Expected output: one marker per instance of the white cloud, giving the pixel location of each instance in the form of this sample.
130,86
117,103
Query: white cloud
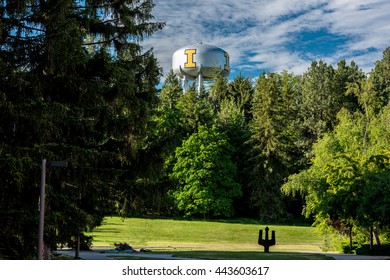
262,35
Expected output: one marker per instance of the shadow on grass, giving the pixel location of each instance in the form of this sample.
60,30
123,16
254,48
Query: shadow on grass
105,230
248,221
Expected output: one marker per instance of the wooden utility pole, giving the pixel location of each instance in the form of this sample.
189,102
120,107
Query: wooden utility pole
41,210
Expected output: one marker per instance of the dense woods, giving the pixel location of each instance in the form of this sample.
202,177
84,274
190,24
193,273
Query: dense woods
76,85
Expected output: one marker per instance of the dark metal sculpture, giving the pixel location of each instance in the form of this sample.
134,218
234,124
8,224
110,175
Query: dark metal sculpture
266,242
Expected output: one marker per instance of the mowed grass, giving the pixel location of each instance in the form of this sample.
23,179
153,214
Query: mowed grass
202,236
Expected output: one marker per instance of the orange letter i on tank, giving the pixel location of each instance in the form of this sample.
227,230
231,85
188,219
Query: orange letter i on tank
190,58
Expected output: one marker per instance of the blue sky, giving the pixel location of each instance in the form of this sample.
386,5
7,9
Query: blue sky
275,35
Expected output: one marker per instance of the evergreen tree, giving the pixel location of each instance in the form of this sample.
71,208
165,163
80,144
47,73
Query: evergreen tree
241,91
75,86
195,110
231,121
218,91
344,76
381,77
272,143
324,93
165,132
319,103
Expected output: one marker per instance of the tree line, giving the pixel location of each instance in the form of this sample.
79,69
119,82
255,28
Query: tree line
315,144
76,86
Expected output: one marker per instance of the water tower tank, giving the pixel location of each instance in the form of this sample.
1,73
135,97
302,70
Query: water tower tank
200,61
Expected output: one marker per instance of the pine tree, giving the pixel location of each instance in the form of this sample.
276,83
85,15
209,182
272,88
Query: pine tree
218,91
319,102
324,93
241,91
272,143
75,86
380,76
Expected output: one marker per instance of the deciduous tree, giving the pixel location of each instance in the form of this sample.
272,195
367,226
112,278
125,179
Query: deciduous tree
206,175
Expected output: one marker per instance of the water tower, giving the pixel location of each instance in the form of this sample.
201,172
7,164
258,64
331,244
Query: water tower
199,62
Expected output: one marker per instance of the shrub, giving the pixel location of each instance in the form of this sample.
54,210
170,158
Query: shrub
377,250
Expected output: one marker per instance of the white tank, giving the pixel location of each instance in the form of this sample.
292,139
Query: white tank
192,60
198,62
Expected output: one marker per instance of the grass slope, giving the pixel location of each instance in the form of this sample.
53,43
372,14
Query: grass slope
200,236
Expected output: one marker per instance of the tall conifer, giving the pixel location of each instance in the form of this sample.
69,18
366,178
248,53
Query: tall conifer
76,86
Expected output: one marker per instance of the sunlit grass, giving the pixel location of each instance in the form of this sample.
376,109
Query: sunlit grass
179,235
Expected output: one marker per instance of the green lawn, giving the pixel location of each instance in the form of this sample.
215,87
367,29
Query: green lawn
204,238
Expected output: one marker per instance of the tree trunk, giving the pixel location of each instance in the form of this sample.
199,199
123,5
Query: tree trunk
350,239
46,252
77,255
371,240
376,235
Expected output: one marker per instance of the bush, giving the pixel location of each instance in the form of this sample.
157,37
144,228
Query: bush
85,243
345,247
377,250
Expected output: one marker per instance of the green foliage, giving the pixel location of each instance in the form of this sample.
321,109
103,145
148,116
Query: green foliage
319,104
375,201
377,250
206,175
76,86
219,91
231,120
196,110
241,91
165,128
323,95
344,75
347,183
272,142
62,99
380,76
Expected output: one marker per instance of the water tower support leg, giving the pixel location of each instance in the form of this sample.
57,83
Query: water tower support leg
184,84
200,82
